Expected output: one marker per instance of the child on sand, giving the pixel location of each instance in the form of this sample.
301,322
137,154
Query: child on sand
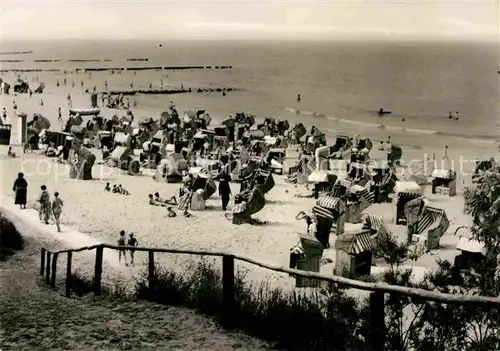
107,187
121,252
171,213
57,205
132,241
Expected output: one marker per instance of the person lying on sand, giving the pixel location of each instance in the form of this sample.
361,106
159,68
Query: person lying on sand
154,202
172,201
107,187
122,190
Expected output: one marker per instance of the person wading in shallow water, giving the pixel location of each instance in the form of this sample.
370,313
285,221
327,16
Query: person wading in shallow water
57,206
21,190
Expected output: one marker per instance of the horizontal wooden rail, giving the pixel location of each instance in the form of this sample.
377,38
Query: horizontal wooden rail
355,284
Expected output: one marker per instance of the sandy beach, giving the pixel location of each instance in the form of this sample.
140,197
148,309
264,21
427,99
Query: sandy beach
101,215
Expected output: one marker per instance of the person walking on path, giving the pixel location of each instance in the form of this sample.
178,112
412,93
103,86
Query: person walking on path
122,243
224,191
44,200
57,206
132,241
21,190
4,116
60,115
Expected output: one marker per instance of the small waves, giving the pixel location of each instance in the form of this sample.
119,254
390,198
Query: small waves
477,139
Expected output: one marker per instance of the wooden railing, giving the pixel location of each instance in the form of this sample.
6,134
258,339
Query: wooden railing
48,267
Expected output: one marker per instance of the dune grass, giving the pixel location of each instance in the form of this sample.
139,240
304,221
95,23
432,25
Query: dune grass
323,320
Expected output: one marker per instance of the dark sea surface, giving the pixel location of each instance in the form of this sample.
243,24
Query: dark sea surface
342,84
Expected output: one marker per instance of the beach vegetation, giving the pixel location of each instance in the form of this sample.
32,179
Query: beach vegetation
331,318
10,238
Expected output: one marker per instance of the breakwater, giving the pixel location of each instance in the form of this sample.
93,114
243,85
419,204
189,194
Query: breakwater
97,69
168,91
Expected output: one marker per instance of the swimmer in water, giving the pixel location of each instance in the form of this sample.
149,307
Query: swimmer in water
450,115
456,116
298,98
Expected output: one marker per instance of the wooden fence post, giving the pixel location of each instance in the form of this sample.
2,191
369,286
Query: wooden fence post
54,270
47,268
68,274
377,321
228,290
42,262
98,270
151,269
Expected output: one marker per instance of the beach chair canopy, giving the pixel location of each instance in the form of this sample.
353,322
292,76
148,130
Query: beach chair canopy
190,115
364,143
407,187
270,140
199,135
121,138
443,174
331,203
354,243
158,137
321,176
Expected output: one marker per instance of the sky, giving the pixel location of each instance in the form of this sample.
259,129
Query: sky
255,20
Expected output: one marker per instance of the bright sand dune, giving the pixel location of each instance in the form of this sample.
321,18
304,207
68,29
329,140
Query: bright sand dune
102,215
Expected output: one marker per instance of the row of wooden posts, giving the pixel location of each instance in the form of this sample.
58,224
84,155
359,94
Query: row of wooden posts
48,267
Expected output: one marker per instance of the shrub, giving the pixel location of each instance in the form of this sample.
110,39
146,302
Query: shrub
10,238
326,320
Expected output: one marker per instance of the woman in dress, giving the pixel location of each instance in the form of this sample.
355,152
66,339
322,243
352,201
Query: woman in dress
21,189
57,206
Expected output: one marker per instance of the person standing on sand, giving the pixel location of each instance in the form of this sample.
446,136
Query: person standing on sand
4,116
21,189
224,190
57,206
132,242
70,102
44,200
15,109
121,252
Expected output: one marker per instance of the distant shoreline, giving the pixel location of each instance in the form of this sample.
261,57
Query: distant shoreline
95,69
